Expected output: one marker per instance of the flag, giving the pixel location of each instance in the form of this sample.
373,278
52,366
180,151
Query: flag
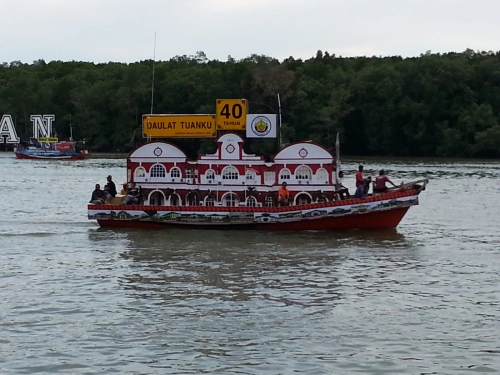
261,126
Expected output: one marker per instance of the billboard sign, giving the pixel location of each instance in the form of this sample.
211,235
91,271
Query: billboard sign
231,114
178,126
261,126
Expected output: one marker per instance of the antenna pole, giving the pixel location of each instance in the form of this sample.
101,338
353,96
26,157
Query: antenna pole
153,80
279,122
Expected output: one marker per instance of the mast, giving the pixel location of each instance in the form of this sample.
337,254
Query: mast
153,80
337,159
279,122
70,129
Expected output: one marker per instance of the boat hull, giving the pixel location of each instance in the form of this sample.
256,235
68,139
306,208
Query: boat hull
380,212
61,156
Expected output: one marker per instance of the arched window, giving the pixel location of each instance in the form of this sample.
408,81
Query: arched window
230,173
175,200
303,173
322,174
303,198
231,200
210,201
251,202
269,201
175,172
192,199
140,172
210,174
251,175
157,198
158,170
285,174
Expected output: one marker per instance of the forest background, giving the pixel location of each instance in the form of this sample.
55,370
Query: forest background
444,105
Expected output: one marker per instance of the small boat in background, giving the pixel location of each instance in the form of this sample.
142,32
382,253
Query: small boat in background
50,149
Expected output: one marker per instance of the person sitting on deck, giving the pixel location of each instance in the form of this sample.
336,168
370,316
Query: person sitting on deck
133,195
124,189
340,189
98,195
361,190
380,181
283,195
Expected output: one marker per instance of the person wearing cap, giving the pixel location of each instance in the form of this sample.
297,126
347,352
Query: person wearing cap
380,181
124,189
110,188
133,195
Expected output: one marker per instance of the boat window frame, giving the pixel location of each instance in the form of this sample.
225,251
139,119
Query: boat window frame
153,173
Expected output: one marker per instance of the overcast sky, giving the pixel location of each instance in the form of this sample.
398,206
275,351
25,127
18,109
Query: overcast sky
124,30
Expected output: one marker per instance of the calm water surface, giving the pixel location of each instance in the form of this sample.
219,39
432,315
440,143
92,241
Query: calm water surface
76,299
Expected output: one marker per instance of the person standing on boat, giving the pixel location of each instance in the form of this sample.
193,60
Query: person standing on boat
283,195
360,180
380,181
110,188
98,195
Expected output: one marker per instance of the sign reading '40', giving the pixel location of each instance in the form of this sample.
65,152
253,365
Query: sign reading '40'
231,114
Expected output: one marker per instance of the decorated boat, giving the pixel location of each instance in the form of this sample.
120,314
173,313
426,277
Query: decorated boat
231,189
44,146
50,149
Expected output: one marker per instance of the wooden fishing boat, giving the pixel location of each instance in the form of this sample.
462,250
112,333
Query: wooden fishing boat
234,190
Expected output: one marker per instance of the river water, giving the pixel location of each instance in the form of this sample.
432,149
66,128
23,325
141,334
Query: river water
77,299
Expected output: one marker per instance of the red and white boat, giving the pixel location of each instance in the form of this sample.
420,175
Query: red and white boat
234,190
57,150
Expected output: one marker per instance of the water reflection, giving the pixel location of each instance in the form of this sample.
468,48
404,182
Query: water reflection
302,269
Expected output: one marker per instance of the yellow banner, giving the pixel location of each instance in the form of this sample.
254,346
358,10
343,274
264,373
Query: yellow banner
180,126
45,139
231,114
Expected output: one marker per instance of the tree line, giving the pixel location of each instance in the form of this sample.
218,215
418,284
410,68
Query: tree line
445,105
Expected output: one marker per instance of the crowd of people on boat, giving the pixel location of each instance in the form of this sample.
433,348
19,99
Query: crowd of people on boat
363,184
131,195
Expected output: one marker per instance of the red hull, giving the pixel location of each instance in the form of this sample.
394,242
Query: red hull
72,157
371,220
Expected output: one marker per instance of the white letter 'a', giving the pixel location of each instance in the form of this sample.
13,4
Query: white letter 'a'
7,129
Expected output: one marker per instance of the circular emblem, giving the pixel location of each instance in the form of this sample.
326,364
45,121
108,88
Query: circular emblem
303,152
230,149
261,126
157,151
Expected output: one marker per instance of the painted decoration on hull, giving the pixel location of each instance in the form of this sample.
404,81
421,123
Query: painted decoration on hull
233,215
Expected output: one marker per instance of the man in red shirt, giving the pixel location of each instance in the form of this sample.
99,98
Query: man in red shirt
360,180
380,181
359,176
